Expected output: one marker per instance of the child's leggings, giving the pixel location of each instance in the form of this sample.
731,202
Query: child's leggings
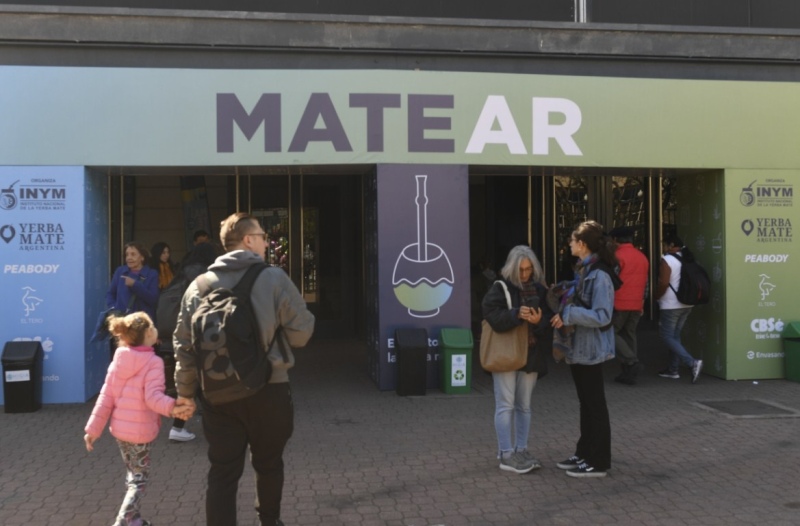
137,462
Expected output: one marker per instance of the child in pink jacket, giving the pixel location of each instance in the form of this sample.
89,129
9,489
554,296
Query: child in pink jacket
133,397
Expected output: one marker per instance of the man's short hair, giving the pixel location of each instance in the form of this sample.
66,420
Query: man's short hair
233,229
200,233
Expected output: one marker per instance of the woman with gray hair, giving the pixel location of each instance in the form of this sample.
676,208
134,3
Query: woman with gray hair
522,276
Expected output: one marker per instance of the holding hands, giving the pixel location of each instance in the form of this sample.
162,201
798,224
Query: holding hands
184,408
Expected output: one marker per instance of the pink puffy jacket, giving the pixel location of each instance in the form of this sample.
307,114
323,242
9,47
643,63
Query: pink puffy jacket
133,396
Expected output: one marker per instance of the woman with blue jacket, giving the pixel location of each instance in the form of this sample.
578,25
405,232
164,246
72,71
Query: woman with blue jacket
592,343
134,286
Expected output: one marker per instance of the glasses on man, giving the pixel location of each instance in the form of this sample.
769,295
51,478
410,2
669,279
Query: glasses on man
263,235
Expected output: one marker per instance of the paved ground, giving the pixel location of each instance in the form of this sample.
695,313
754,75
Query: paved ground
364,457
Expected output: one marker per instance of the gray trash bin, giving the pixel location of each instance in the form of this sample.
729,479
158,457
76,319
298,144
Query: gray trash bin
22,376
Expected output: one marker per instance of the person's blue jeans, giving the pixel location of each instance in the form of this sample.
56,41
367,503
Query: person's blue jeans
670,325
512,402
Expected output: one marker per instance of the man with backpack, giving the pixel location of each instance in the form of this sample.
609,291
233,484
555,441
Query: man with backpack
237,308
674,313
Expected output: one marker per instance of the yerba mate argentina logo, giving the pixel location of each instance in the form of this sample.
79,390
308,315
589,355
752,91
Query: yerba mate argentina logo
768,229
40,194
34,237
770,193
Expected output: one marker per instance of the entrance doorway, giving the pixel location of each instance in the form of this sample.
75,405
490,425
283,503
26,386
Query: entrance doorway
543,206
313,222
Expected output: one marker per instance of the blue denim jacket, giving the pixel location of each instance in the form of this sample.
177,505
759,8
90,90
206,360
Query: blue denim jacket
591,345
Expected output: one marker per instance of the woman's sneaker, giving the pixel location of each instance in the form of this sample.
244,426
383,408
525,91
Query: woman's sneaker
666,373
530,458
516,463
570,463
585,470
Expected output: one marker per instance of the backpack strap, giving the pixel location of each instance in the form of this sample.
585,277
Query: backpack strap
245,286
244,289
679,258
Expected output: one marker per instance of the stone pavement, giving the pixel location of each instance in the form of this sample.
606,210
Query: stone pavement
368,458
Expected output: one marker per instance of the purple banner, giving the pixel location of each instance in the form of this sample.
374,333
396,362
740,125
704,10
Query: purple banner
423,258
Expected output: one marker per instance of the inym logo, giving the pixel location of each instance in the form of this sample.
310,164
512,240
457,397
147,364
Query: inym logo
8,201
40,195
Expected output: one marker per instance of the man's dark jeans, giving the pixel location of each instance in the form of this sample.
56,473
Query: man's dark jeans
265,421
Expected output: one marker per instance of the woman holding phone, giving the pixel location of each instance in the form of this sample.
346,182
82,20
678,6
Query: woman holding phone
523,277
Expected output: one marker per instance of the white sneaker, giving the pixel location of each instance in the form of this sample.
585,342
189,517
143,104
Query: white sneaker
180,435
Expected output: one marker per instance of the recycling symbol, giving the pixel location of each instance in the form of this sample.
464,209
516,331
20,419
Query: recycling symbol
459,374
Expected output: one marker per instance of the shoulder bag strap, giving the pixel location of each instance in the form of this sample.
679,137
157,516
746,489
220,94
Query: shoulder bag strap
505,290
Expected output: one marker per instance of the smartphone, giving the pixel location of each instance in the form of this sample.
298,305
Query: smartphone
532,302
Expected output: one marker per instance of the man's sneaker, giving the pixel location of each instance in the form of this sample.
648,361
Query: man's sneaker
516,463
585,470
180,435
571,462
530,458
696,368
666,373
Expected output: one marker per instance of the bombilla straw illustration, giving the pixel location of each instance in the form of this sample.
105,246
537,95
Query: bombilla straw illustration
422,218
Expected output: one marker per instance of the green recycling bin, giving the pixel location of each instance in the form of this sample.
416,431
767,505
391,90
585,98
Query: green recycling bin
456,360
791,350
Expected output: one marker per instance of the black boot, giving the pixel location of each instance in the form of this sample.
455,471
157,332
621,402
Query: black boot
625,377
634,369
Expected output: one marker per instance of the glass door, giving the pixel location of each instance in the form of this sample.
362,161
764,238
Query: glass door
313,224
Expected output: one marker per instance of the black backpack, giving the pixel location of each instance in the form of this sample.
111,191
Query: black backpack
695,287
231,359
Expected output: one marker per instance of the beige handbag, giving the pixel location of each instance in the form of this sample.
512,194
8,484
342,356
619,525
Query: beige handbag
502,352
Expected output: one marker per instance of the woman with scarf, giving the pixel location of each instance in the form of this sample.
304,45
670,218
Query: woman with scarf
591,343
523,277
161,260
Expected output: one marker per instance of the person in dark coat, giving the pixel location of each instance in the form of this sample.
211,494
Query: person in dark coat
523,277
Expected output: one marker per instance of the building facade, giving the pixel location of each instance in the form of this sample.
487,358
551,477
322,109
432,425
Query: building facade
393,155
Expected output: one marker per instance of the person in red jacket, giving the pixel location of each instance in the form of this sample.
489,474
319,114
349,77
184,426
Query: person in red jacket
628,302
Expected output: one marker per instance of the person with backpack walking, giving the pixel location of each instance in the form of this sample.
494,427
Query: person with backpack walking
673,313
196,262
241,409
133,398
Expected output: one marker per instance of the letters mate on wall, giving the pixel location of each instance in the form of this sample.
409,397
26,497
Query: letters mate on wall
423,277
